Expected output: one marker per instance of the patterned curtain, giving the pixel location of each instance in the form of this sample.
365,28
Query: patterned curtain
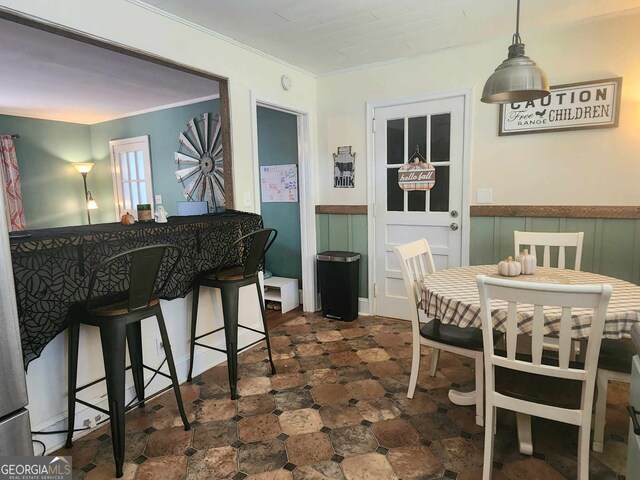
11,184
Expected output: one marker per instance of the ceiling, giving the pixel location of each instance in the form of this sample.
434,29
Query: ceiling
323,36
56,78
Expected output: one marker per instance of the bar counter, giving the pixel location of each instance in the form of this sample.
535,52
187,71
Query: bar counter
52,266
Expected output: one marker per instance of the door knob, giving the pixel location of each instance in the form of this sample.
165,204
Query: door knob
454,213
453,226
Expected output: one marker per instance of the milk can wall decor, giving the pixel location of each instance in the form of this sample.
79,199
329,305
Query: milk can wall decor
343,168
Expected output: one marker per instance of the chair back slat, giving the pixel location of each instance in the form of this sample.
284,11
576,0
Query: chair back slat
512,330
135,276
537,334
560,240
561,256
565,344
252,247
546,262
145,265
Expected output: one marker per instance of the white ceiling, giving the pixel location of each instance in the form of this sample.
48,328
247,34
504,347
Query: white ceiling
323,36
52,77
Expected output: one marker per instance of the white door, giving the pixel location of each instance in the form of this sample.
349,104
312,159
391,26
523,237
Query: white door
131,172
436,128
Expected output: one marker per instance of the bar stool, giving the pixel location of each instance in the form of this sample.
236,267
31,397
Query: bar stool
133,274
229,281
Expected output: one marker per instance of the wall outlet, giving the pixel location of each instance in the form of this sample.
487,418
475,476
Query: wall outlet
159,346
158,199
484,195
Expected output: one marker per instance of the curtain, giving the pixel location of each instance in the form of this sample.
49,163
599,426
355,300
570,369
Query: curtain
11,184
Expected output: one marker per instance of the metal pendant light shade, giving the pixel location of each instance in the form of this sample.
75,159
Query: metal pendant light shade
518,78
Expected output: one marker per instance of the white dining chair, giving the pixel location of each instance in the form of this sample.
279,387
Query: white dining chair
416,263
614,365
562,240
556,389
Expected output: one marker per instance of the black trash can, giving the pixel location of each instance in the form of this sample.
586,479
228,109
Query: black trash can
338,276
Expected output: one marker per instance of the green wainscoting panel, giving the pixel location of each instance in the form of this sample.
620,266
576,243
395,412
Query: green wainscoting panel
611,246
345,232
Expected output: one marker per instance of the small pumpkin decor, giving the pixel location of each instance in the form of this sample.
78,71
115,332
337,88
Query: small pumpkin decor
527,261
127,219
509,268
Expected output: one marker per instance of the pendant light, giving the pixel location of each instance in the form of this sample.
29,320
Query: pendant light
518,78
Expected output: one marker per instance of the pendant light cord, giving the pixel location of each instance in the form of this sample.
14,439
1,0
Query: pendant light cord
516,36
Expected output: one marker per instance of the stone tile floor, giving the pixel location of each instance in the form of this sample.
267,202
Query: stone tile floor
337,409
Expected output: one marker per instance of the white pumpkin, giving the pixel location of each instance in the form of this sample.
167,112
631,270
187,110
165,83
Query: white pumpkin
528,262
509,268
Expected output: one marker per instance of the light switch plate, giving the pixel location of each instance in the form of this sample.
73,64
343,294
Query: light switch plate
484,195
158,199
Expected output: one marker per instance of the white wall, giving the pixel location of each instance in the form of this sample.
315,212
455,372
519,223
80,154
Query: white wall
128,24
592,167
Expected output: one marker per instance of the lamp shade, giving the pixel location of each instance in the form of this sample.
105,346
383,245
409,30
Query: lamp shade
91,203
83,167
517,79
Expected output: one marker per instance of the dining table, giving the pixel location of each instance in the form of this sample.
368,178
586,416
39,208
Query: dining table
452,296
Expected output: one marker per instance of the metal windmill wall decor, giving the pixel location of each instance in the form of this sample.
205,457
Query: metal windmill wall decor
200,161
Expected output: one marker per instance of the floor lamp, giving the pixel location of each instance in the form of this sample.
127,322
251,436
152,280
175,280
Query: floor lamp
91,204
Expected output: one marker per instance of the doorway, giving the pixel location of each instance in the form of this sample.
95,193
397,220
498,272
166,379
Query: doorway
436,129
281,140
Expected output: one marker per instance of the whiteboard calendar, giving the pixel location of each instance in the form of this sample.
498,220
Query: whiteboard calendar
279,183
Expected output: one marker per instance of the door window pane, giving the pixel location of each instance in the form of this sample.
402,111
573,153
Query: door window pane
439,196
124,169
132,166
135,200
417,136
140,165
395,141
395,195
142,191
440,137
417,200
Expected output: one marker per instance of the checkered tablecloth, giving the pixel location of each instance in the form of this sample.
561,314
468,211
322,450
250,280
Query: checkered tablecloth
452,296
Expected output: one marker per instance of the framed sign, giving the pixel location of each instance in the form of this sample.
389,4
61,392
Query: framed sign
575,106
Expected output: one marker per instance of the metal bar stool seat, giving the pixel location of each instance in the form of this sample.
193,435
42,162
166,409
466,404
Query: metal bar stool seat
118,316
229,280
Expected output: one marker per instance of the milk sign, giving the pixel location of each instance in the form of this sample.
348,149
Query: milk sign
416,176
594,104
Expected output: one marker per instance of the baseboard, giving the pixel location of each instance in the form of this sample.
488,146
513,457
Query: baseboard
364,307
204,359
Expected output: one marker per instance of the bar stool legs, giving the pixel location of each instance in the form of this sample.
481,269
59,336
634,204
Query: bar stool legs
113,339
264,324
229,292
134,340
195,297
172,367
74,339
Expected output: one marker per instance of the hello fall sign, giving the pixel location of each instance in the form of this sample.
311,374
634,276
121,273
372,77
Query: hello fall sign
594,104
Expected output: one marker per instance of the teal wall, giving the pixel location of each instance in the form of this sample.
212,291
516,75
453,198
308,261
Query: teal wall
611,246
278,145
52,190
345,232
163,128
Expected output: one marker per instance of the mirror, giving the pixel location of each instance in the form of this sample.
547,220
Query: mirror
71,101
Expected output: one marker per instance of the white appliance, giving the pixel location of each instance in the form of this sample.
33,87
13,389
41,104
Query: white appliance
15,427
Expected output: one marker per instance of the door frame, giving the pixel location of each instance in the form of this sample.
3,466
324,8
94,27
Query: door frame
308,246
465,216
